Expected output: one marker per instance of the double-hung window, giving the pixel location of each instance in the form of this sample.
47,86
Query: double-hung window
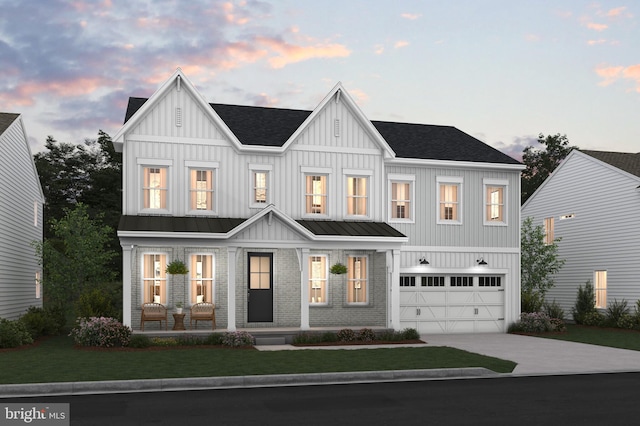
449,199
202,269
357,280
316,194
154,278
600,288
154,188
401,196
318,279
548,231
495,195
260,175
201,189
357,195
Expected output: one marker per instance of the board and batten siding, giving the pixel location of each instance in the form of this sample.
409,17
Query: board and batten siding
20,223
604,234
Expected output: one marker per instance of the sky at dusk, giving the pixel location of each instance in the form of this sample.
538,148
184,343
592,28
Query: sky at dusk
502,71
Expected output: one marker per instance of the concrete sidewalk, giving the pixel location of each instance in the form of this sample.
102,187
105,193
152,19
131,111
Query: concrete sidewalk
537,356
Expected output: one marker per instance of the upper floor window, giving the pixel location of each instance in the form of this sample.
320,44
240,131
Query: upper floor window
154,188
201,189
548,231
357,281
201,278
154,278
357,196
494,198
449,196
260,187
318,279
316,194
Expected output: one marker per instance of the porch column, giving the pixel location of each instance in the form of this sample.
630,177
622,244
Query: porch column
126,284
304,290
393,268
231,288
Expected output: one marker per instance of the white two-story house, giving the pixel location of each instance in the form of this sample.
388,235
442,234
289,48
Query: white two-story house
260,203
21,222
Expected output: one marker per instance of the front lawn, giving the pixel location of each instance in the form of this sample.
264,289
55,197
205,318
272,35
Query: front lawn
613,337
56,360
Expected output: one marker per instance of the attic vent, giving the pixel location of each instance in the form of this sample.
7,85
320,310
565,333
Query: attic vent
567,216
178,117
336,127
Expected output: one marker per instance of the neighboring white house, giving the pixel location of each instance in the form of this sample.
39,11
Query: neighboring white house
592,202
261,202
21,202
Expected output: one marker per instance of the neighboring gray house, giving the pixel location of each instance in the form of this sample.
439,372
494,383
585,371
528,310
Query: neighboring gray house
261,202
21,202
592,202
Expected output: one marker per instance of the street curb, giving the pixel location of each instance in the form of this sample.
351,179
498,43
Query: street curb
229,382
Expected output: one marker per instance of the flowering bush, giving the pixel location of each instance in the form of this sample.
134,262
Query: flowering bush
237,339
367,335
346,335
594,318
537,322
101,331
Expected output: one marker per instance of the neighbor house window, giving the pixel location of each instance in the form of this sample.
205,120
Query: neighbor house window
318,279
548,231
600,278
357,196
201,271
38,286
201,189
316,194
154,281
357,281
154,188
494,204
401,200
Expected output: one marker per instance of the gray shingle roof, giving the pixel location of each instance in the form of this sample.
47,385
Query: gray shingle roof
628,162
6,118
273,126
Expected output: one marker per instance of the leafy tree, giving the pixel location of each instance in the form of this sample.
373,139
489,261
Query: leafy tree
540,163
76,257
538,262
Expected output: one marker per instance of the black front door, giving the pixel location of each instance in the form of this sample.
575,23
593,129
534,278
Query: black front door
260,292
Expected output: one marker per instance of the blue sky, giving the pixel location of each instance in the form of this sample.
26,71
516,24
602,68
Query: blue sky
502,71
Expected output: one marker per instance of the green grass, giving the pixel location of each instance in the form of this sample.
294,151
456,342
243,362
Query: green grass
56,360
613,337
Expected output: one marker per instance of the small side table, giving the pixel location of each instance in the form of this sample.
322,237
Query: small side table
178,321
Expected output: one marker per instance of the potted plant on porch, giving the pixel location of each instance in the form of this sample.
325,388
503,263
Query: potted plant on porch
179,307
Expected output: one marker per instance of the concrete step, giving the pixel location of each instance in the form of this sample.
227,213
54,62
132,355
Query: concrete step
270,340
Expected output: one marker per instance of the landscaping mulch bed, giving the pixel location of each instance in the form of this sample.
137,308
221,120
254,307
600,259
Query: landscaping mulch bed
360,342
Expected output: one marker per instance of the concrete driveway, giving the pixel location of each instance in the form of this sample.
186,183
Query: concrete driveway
536,355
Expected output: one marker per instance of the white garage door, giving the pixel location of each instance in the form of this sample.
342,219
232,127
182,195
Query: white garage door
452,303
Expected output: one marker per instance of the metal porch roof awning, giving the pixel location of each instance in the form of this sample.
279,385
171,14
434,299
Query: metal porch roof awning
210,225
351,229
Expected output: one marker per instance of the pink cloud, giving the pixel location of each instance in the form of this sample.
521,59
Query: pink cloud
411,16
597,27
618,12
290,53
596,42
378,49
231,17
400,44
611,75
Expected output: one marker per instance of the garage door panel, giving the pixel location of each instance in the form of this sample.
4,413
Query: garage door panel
432,297
461,297
432,312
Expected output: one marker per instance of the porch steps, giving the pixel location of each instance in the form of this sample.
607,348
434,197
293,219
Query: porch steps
270,340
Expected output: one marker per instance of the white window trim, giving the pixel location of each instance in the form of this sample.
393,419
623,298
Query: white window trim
315,171
160,163
268,169
368,269
486,183
213,277
452,180
410,179
357,173
214,166
326,279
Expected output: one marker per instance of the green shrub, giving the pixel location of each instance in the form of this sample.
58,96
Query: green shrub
213,339
329,336
585,303
594,318
346,335
531,301
616,311
13,334
95,302
553,310
410,334
139,341
390,336
367,335
101,331
305,338
626,321
164,341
